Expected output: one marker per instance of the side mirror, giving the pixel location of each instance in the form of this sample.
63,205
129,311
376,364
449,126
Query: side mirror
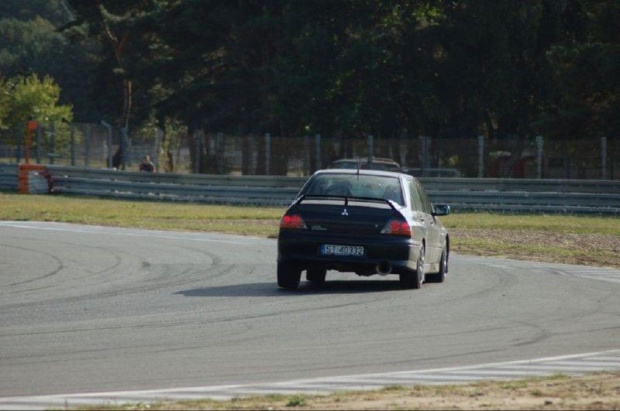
441,209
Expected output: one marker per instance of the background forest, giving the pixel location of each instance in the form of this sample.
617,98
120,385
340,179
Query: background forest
388,68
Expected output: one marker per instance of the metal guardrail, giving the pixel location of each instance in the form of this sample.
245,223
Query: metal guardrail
8,177
467,194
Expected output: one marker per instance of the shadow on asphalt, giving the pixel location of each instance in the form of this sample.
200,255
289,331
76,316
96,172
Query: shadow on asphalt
270,289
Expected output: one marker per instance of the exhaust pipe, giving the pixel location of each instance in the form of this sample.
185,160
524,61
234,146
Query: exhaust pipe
384,268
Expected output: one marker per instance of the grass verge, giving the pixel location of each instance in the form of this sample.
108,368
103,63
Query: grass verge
550,238
595,391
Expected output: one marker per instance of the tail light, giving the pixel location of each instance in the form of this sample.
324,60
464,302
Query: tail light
397,227
292,222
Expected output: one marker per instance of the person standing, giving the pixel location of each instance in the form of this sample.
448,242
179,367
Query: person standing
147,165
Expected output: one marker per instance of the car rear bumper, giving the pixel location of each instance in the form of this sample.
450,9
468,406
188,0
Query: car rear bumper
302,248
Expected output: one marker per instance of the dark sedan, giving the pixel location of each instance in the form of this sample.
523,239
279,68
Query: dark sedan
363,221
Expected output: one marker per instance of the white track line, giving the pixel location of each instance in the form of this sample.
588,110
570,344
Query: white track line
572,364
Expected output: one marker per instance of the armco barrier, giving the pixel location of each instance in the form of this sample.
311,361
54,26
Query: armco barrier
504,195
8,177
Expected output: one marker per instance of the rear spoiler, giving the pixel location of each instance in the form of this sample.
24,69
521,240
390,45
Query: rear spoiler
301,199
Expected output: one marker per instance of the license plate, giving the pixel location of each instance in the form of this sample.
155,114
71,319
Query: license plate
349,250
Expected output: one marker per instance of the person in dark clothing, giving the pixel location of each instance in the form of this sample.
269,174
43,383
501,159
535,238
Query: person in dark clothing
147,165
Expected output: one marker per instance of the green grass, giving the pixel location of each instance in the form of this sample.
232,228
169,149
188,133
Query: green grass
200,217
141,214
535,222
514,235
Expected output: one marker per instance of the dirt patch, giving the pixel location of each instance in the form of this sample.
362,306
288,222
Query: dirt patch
590,392
599,391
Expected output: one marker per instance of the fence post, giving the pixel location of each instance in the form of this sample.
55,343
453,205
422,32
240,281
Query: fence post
159,135
480,156
371,148
426,159
267,153
72,131
123,147
52,132
219,150
39,135
604,158
87,138
306,159
539,156
20,138
109,142
197,147
317,147
402,151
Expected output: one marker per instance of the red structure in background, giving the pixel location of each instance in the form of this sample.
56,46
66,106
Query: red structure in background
32,127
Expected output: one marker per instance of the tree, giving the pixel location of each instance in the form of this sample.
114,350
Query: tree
56,12
117,24
31,98
585,64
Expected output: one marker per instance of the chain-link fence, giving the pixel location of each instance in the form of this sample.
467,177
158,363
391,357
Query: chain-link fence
100,145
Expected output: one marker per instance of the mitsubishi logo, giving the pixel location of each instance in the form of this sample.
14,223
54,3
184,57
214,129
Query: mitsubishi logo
345,213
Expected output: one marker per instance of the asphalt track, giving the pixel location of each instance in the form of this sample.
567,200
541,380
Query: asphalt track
91,309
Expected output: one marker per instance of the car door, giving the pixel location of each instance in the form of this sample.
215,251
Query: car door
417,212
433,236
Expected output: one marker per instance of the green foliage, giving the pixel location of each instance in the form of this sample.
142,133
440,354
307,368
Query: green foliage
30,98
297,401
54,11
340,68
28,46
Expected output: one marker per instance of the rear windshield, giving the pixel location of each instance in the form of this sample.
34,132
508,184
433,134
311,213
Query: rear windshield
353,185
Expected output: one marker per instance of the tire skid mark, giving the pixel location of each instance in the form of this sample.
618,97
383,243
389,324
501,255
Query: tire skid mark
177,323
49,274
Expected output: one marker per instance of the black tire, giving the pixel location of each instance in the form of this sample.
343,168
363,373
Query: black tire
288,275
414,279
440,277
316,275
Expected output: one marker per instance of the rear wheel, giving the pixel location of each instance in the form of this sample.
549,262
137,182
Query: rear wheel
316,275
288,275
414,280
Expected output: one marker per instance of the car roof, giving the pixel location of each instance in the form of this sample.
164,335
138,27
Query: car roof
367,172
365,159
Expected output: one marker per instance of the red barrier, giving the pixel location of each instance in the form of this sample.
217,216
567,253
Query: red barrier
23,183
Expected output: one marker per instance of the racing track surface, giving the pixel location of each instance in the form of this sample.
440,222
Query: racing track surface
90,309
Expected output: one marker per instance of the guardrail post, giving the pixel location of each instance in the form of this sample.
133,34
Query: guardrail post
267,153
539,156
72,131
480,156
371,148
604,158
317,147
52,152
87,138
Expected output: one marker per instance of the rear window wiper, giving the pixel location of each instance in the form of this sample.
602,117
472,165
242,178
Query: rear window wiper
346,199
